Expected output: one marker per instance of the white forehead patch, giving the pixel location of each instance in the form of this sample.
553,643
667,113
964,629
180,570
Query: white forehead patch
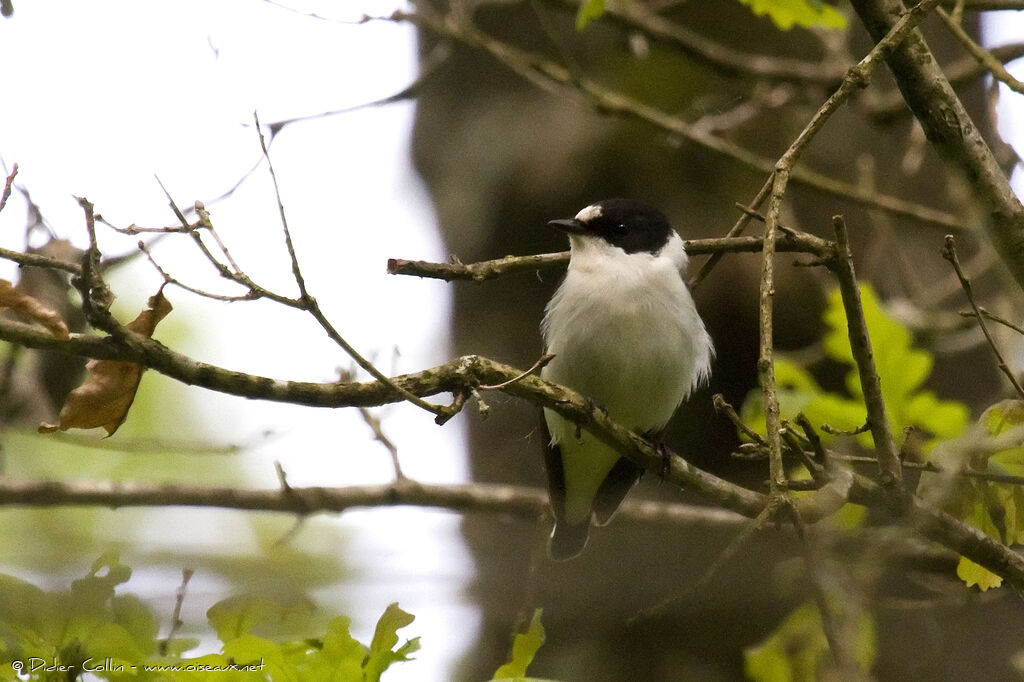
589,213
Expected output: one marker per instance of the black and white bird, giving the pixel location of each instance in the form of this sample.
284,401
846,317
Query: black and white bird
625,332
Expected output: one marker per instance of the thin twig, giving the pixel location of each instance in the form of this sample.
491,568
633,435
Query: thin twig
179,600
721,405
378,433
377,428
40,261
831,430
984,57
309,303
950,129
830,625
637,17
949,253
796,242
169,279
995,318
541,362
700,585
96,296
735,231
766,354
890,471
7,186
554,78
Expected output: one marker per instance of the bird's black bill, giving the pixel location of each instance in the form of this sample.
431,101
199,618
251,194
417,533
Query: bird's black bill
570,225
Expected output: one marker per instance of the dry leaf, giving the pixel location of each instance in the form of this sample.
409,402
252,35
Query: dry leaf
25,305
108,392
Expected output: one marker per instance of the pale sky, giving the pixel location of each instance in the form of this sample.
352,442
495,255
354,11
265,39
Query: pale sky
101,97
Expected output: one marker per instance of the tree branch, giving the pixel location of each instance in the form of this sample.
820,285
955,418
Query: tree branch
636,17
466,373
791,242
950,129
890,470
518,501
555,78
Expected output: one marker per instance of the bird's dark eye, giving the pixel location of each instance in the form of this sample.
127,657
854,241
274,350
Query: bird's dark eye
619,229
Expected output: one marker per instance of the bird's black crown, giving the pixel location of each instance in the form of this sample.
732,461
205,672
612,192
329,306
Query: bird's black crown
631,225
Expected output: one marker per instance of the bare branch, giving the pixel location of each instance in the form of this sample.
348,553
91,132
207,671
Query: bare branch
459,376
511,500
950,129
40,261
7,186
890,470
553,77
949,253
179,600
310,305
983,56
795,242
995,318
636,17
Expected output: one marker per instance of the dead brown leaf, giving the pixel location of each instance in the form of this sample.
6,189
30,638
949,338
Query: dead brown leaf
109,391
26,306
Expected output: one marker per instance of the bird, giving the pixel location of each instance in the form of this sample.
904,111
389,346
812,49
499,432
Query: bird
625,332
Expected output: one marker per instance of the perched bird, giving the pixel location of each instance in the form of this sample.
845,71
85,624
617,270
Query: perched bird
625,333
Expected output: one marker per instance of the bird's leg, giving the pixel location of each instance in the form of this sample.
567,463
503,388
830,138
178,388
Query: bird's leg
592,408
657,439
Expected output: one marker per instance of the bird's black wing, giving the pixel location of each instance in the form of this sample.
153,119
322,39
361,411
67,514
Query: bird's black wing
567,540
620,480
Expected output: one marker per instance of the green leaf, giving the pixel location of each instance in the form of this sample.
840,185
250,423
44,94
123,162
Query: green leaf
385,637
798,650
972,574
524,648
341,652
807,13
97,587
236,616
588,11
902,370
996,509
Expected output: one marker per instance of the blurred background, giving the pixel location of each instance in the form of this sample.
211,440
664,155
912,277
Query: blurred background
102,98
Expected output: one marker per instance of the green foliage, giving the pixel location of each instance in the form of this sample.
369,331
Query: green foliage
786,14
58,635
524,648
588,11
77,628
798,650
902,368
995,508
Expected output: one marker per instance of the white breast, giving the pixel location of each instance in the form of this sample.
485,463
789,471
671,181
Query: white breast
625,331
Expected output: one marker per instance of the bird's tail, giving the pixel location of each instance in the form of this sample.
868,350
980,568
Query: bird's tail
568,540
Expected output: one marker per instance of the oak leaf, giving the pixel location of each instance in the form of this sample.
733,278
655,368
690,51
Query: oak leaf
109,390
33,309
